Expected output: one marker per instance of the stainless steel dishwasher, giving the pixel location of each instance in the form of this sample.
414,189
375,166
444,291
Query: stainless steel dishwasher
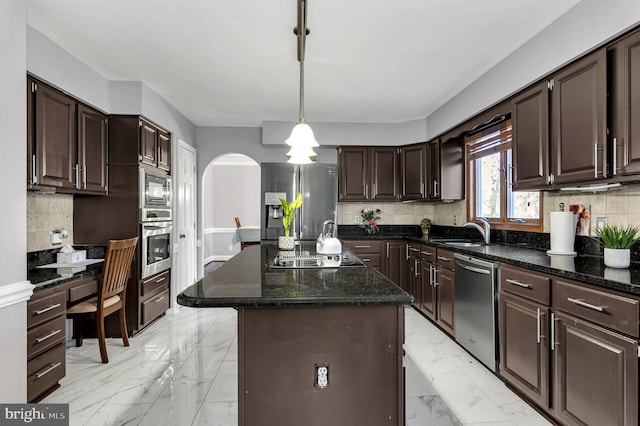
475,308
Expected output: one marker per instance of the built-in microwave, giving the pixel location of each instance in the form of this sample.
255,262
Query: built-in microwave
155,196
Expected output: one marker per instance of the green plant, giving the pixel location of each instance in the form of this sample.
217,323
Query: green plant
618,236
370,220
425,223
288,211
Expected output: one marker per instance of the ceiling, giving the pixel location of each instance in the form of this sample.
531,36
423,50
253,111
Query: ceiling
233,63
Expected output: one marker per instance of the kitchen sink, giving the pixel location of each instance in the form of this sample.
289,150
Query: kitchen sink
462,244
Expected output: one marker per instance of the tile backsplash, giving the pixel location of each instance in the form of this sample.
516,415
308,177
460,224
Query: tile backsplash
620,206
45,213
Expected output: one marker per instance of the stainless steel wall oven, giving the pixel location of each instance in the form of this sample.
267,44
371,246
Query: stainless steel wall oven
156,247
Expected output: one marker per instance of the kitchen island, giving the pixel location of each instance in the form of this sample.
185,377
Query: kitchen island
315,346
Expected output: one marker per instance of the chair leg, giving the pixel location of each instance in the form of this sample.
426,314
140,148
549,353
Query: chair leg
77,331
101,341
123,327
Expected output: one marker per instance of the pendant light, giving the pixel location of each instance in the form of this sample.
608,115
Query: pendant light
301,139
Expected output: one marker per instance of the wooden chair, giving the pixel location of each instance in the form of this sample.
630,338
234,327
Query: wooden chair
111,294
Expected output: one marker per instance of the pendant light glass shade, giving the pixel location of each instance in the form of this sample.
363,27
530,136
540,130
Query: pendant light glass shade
300,154
302,135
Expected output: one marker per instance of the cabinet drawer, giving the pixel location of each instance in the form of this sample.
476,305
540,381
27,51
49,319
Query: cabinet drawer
153,284
427,254
155,306
374,260
445,259
364,246
610,310
525,283
82,289
45,336
45,371
43,307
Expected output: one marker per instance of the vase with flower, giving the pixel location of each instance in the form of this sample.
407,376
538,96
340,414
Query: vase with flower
370,218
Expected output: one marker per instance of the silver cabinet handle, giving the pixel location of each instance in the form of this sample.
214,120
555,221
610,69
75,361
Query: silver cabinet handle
415,268
586,305
426,253
159,280
435,276
476,270
539,315
84,177
445,259
387,250
48,370
414,249
615,156
159,299
48,336
406,251
366,259
431,275
362,246
595,153
77,170
553,332
34,173
47,309
518,283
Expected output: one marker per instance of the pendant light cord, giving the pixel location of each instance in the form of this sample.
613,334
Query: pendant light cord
301,31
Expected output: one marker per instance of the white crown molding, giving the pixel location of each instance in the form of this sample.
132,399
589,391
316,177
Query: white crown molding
10,294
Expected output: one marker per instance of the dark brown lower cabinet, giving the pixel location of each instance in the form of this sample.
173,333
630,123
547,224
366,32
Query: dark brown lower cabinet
428,305
394,264
445,299
596,374
415,273
524,349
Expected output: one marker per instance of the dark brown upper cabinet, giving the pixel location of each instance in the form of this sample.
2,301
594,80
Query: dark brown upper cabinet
433,170
578,121
559,127
413,159
530,132
625,107
92,149
66,142
368,173
155,146
449,169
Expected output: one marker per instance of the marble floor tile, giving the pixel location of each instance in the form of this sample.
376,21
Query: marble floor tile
182,370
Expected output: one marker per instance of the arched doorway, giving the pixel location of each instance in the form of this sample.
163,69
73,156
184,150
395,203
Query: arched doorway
230,188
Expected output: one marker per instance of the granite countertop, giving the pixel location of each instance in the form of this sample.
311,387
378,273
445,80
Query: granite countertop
527,250
43,278
247,280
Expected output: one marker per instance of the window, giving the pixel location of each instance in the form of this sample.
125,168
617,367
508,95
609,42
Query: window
489,171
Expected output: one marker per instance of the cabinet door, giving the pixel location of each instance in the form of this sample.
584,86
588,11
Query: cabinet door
395,263
55,138
433,170
428,290
578,120
596,374
524,346
92,149
625,106
413,169
414,275
352,173
384,174
530,132
148,143
452,166
446,294
164,151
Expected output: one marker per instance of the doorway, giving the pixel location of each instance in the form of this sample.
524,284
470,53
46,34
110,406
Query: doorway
185,220
230,188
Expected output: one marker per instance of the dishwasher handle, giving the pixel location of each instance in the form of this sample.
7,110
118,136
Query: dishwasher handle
474,269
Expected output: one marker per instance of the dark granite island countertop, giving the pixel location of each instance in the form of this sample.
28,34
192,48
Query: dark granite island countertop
248,280
315,346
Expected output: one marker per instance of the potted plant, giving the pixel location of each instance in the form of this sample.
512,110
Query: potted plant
288,211
370,218
425,225
617,241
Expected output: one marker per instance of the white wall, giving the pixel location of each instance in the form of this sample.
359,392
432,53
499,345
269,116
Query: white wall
50,62
13,214
335,134
585,26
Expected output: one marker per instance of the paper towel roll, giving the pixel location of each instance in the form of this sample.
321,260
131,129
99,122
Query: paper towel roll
563,233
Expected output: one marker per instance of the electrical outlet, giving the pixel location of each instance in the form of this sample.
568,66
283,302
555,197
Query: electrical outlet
455,220
600,222
321,375
55,237
356,219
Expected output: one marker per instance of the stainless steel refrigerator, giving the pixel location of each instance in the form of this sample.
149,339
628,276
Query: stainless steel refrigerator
318,184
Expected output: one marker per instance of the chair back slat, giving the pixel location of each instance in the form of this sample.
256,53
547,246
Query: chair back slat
115,272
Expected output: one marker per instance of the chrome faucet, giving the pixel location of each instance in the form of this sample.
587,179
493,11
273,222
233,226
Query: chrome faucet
486,231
